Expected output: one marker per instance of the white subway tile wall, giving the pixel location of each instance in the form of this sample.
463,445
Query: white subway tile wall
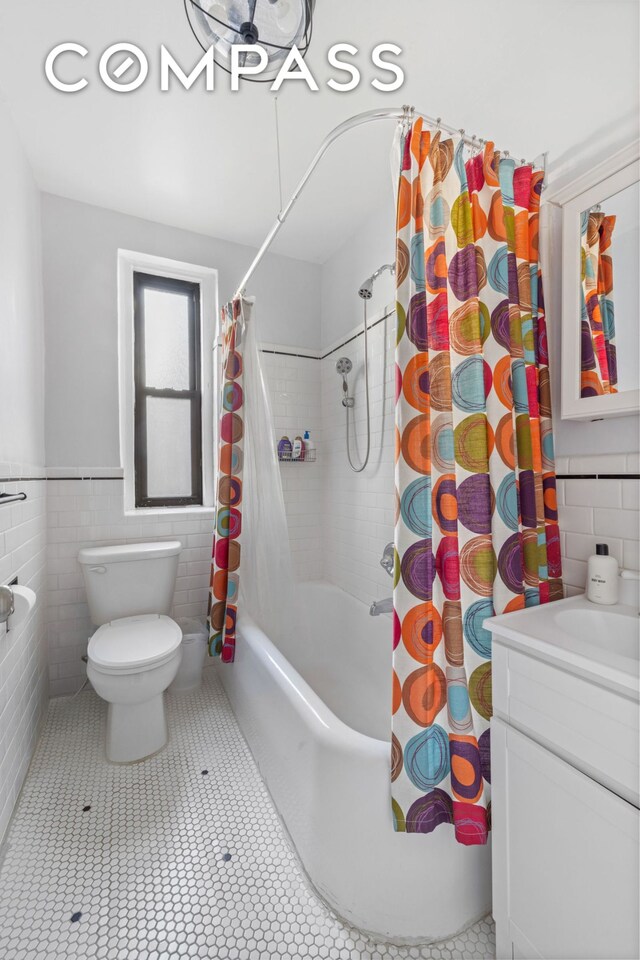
85,513
293,383
23,650
359,508
594,511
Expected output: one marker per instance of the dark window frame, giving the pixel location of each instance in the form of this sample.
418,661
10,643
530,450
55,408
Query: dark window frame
190,289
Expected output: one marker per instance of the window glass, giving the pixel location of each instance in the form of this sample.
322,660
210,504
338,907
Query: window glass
168,447
166,339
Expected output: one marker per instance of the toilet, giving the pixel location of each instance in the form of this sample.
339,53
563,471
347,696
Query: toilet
135,653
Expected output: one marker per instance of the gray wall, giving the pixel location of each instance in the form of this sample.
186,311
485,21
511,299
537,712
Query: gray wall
353,261
80,244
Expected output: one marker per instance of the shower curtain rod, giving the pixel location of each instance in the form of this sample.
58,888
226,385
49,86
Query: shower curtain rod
405,114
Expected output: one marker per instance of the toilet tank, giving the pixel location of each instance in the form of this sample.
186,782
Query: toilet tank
131,579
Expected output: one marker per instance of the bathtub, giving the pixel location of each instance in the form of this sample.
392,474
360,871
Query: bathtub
317,721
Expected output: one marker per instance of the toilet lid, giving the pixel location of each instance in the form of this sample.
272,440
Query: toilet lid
134,642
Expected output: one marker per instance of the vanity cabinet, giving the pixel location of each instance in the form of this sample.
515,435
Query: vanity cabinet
565,816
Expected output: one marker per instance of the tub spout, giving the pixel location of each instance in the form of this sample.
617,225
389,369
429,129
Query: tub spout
381,606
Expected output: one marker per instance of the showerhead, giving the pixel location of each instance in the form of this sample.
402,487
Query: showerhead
366,290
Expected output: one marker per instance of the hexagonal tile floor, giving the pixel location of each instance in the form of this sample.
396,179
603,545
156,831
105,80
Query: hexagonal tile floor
180,856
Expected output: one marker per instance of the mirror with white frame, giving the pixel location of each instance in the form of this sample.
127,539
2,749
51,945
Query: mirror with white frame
601,292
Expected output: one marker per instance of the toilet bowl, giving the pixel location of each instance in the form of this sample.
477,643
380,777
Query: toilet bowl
135,653
131,662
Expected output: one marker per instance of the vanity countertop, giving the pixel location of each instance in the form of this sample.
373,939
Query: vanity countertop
598,643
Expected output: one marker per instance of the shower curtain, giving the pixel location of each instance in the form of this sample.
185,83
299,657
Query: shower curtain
225,561
250,501
476,530
599,367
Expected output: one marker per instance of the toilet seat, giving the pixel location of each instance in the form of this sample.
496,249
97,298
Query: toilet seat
134,644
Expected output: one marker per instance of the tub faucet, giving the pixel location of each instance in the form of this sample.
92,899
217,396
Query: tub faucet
381,606
388,560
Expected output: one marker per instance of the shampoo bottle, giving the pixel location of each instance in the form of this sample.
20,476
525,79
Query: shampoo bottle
602,576
309,447
284,449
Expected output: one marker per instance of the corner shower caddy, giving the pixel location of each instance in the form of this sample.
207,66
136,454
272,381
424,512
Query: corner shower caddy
309,457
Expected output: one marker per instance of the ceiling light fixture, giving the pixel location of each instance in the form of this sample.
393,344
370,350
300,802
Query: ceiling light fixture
275,25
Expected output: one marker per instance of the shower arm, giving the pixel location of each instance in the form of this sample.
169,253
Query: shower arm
403,115
391,267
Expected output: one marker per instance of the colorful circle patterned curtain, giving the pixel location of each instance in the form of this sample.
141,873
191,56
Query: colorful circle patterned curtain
476,531
225,561
599,370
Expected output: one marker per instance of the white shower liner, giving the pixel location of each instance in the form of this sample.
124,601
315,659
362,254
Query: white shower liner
316,715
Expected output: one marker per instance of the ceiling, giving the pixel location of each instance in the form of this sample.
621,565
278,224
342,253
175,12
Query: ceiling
532,76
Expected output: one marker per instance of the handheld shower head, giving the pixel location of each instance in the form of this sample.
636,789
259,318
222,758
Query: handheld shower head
344,368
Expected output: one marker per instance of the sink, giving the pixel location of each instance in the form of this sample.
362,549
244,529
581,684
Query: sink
567,675
613,631
599,643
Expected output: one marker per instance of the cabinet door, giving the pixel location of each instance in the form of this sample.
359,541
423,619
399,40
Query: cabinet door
566,858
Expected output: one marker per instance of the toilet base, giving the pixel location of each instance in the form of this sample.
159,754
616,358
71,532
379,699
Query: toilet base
135,730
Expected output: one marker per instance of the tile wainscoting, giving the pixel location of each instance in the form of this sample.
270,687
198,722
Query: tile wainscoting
90,512
598,502
23,650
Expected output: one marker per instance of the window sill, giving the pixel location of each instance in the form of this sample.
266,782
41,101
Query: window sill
165,512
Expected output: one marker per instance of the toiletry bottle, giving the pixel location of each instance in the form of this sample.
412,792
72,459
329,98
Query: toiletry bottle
296,453
602,576
309,447
284,449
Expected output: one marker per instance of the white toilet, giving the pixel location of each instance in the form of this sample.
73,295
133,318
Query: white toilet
135,653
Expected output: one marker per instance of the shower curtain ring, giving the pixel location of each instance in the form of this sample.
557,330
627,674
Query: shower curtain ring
407,117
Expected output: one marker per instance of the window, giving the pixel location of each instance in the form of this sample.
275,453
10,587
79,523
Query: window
168,398
167,314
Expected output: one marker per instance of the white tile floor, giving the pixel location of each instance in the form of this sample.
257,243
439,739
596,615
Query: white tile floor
180,856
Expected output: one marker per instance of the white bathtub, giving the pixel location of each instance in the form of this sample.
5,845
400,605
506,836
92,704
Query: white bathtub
317,720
